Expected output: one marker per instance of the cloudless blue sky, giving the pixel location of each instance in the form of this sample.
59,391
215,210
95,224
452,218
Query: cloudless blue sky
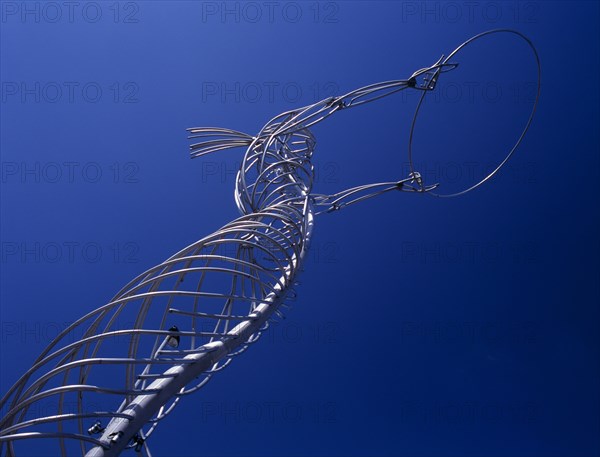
423,327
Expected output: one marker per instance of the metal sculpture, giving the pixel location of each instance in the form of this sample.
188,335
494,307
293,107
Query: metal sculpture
171,329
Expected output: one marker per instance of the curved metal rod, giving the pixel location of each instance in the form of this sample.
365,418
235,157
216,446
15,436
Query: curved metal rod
523,132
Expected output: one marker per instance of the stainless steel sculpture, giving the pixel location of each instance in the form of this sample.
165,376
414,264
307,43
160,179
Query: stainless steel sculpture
171,329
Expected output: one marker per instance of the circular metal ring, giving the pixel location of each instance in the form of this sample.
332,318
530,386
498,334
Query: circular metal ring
523,132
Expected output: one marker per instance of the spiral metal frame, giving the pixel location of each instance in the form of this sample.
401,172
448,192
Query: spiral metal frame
172,328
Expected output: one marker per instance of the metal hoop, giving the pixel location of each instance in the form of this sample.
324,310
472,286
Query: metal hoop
523,132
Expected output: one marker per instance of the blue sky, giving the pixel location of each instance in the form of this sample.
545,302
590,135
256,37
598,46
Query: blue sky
423,327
